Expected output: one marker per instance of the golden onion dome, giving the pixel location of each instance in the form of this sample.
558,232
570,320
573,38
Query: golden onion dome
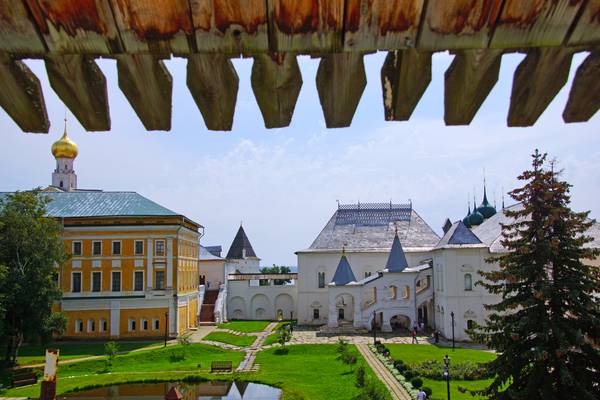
64,147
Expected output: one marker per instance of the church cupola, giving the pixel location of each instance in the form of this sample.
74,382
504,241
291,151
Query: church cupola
343,273
475,218
466,218
64,151
397,259
486,209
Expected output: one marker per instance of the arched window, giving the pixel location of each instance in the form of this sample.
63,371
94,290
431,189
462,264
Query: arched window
470,324
468,282
321,279
393,292
406,292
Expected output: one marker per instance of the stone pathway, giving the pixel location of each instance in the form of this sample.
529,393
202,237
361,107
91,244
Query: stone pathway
305,335
247,365
396,390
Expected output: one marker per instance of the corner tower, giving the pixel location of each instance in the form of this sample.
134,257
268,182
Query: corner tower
64,151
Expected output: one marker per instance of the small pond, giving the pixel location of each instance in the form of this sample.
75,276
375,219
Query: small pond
214,390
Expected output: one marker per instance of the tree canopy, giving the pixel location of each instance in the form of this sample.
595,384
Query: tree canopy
547,325
31,249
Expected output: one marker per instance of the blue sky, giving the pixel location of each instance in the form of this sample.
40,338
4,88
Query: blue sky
283,183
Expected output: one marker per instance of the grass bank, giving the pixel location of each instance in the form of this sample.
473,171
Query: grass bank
224,337
245,326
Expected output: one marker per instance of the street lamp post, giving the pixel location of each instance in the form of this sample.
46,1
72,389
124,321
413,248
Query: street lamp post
374,329
166,327
447,374
291,321
452,316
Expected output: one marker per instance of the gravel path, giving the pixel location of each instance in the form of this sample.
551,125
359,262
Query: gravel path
396,390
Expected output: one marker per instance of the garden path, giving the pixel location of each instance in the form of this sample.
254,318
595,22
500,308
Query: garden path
247,364
396,390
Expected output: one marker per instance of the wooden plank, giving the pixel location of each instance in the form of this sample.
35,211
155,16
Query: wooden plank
276,82
148,86
537,80
381,24
469,80
230,26
18,33
458,24
305,26
405,76
160,27
213,82
81,85
76,26
534,23
21,96
584,98
587,30
341,81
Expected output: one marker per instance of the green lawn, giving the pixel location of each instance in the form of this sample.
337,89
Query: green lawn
35,354
245,326
160,364
224,337
272,338
413,354
308,372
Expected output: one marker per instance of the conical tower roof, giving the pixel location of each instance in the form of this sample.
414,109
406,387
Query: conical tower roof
240,247
397,259
466,218
475,218
343,274
486,209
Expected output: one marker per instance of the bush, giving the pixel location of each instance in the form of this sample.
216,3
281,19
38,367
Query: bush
427,391
467,371
408,374
111,349
372,392
360,376
416,382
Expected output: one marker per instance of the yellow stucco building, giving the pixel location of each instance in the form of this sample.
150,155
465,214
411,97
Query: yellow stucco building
133,270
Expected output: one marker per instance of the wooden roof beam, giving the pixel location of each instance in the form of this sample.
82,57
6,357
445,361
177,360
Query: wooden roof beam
276,82
469,80
213,83
81,85
405,76
584,98
341,81
21,96
537,80
148,86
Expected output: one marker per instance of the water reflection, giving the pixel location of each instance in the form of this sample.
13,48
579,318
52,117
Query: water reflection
216,390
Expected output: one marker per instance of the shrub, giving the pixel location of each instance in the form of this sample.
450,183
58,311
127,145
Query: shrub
372,392
342,346
408,374
284,335
462,371
416,382
111,349
427,391
360,376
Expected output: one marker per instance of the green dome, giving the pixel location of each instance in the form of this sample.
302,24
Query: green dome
486,209
475,218
466,218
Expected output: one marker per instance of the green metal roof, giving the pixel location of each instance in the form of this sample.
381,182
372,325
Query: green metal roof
101,204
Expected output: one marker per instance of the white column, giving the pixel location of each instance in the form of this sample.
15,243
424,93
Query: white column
115,318
170,263
357,314
149,267
332,319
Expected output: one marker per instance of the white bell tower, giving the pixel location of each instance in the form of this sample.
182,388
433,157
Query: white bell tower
65,151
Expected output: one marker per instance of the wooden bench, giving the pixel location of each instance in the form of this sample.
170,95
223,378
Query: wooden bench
23,378
221,366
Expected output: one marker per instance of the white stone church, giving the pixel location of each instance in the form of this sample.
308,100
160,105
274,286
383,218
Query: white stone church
378,264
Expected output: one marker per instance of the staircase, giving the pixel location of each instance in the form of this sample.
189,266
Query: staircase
207,310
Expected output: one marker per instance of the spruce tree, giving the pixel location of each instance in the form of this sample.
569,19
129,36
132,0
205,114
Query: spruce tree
546,328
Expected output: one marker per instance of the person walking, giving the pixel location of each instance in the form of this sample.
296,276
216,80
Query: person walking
421,395
414,337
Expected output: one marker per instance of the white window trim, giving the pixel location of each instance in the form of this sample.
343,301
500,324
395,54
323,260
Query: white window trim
112,252
135,245
78,325
156,241
101,322
73,248
142,320
154,321
89,325
92,281
96,241
164,279
120,281
80,281
143,281
130,323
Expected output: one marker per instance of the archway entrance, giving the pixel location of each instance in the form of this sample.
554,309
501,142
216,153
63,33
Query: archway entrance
400,323
344,303
341,314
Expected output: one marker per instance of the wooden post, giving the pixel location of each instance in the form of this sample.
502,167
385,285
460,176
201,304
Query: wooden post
213,82
21,96
48,388
81,85
276,83
341,81
148,85
584,98
537,80
469,80
405,76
